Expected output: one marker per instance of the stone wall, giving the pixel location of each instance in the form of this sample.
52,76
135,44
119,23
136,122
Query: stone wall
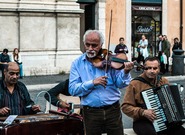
47,32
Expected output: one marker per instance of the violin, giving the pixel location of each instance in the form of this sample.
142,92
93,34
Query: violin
106,59
115,61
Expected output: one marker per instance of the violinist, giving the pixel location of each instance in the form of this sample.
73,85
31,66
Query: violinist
98,88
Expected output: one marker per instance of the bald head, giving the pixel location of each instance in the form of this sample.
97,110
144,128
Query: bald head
11,73
11,65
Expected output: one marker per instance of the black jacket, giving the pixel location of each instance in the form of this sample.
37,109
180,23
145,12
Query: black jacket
120,46
4,58
25,97
177,46
62,88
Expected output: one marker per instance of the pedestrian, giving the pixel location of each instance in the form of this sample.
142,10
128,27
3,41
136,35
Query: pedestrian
16,57
4,59
15,98
143,44
166,51
159,45
177,44
142,51
121,47
133,103
98,88
163,47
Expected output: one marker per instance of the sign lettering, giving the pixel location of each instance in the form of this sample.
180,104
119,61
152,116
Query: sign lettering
142,29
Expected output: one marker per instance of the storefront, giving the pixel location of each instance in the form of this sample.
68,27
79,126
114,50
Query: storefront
146,20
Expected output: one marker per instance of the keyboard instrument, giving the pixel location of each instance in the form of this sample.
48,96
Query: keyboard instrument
161,99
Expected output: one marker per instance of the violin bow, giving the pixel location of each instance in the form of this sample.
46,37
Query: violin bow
106,66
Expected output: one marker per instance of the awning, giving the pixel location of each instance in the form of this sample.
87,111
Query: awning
147,1
86,1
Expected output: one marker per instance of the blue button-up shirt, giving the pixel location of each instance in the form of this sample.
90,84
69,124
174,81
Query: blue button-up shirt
81,78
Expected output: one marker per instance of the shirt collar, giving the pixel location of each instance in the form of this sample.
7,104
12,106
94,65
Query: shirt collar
84,57
5,86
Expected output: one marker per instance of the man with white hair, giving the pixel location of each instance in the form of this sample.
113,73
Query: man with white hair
98,88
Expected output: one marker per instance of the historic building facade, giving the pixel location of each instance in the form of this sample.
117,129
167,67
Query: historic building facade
49,32
132,18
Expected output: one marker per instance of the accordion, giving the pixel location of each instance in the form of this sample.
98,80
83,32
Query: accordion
168,104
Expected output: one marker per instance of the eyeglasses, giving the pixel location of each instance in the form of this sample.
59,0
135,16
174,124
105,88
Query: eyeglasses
149,68
92,45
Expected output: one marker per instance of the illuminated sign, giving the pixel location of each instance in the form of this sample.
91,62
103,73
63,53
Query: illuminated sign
144,29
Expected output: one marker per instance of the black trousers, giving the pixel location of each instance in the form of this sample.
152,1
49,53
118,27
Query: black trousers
103,120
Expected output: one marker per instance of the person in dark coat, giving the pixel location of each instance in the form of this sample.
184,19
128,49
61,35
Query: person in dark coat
177,44
121,47
14,96
4,59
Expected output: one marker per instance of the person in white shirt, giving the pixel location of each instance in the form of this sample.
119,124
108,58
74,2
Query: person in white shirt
16,57
143,51
143,44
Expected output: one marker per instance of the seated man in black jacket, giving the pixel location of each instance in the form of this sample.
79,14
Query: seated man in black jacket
14,96
61,88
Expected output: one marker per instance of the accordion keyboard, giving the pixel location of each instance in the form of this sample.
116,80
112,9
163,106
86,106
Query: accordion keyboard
152,102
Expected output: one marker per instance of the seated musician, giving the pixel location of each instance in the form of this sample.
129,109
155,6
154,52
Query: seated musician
134,106
14,96
62,88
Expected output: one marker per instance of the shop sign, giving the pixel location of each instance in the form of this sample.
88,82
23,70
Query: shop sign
144,29
147,8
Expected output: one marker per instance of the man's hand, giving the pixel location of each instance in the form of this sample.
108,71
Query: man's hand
150,114
4,110
128,66
100,81
36,108
63,104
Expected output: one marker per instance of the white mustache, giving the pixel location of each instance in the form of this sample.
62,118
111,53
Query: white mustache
90,54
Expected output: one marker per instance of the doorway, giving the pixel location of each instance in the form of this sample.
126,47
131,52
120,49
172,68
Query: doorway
146,23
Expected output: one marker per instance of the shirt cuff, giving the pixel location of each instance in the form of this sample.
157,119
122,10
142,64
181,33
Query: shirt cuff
88,85
125,76
57,104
